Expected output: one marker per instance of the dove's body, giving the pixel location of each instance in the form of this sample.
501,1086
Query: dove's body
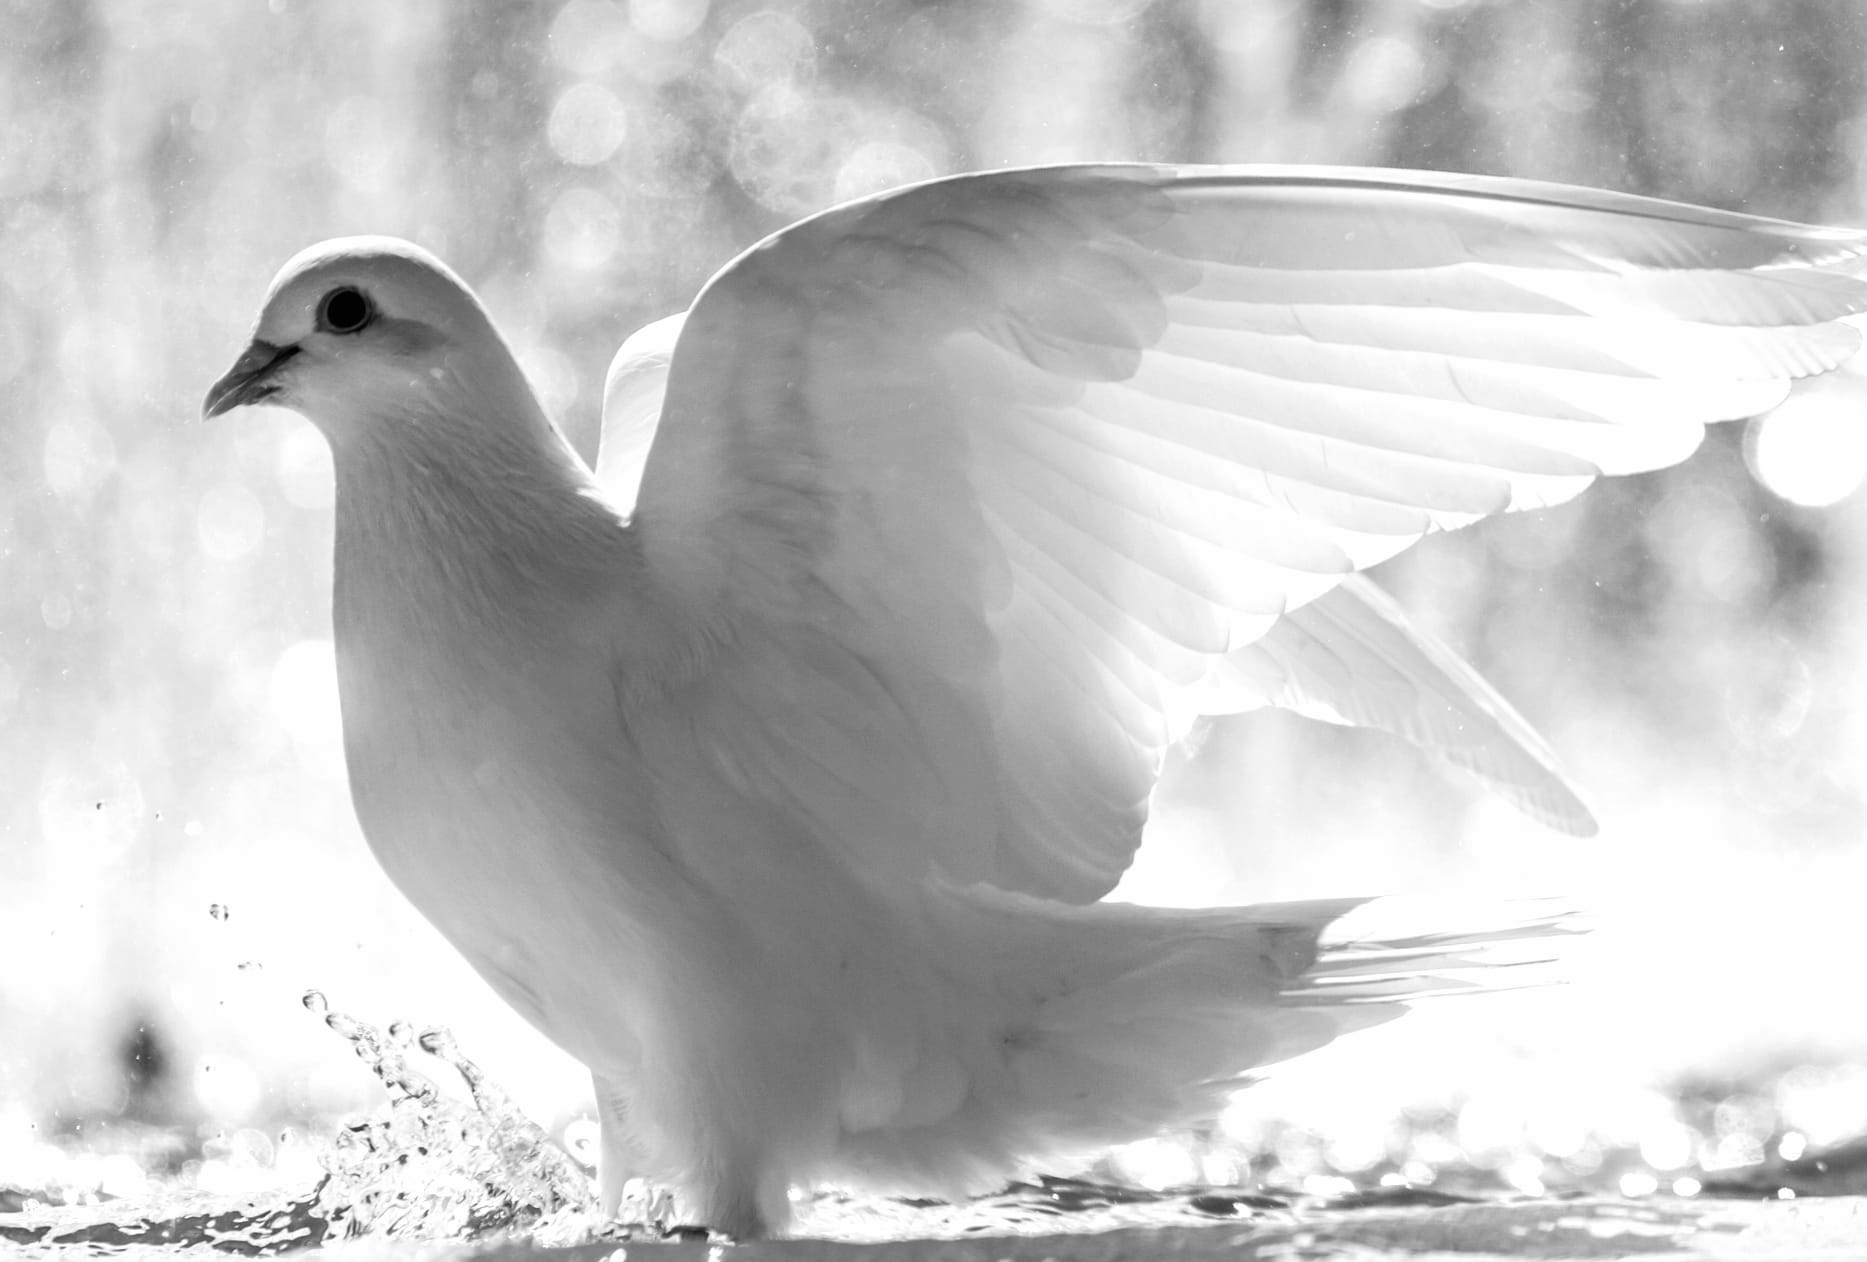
782,792
534,781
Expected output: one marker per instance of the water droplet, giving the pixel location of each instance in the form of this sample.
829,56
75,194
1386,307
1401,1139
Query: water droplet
582,1138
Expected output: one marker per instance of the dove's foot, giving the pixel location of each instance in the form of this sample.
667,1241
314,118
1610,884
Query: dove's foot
639,1210
739,1218
647,1212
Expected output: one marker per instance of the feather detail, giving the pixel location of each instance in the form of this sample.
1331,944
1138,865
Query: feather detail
1119,1021
781,791
1094,439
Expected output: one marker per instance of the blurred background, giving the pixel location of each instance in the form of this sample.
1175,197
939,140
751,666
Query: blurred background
178,860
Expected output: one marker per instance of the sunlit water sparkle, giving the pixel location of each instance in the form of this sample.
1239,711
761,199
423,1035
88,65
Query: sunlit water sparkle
442,1164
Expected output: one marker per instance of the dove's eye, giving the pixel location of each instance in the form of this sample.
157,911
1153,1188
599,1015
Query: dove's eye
345,310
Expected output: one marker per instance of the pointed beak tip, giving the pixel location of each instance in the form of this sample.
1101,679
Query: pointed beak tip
252,379
220,399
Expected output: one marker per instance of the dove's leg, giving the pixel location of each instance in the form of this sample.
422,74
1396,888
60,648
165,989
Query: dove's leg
620,1160
732,1205
730,1202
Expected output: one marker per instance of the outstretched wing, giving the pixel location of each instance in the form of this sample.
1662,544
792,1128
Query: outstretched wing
1351,656
986,488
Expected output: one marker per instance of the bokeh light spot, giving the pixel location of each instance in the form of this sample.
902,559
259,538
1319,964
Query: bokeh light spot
553,375
880,165
227,1088
230,522
582,229
1524,1173
590,36
1095,12
357,145
304,469
587,124
77,457
1667,1147
302,693
1490,1125
1704,536
1822,1105
55,611
1385,73
1812,450
765,48
1157,1163
667,20
797,151
1638,1183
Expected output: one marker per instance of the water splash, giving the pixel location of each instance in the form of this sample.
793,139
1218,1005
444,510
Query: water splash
437,1168
445,1164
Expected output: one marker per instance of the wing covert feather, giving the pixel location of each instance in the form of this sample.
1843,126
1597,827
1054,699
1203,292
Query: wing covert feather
1086,452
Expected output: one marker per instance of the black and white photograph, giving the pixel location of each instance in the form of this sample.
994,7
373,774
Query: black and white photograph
933,629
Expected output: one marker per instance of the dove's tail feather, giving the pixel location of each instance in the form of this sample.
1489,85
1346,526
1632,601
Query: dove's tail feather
1125,1021
1424,965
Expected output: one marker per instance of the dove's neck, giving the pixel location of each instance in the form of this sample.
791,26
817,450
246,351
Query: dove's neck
473,534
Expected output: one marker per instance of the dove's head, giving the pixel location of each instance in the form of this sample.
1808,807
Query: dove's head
371,336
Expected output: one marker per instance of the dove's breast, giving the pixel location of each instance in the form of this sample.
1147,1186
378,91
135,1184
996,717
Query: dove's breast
604,878
493,780
591,851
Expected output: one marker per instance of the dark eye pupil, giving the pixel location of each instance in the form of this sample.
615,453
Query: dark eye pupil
346,310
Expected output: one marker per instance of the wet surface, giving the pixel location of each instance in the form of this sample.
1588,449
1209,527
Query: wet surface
476,1173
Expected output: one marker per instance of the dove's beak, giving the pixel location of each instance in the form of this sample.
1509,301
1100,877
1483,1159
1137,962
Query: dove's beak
250,380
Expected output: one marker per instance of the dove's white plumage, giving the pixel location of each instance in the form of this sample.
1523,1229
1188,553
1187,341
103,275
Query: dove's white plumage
775,772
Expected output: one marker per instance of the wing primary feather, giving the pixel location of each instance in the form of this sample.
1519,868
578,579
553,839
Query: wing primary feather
1156,414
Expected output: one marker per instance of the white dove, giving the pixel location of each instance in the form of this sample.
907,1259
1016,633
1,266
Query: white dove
781,792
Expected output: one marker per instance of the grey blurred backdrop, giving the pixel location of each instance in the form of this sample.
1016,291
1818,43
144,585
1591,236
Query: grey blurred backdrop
178,862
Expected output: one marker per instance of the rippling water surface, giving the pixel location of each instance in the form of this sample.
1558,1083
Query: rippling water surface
466,1166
